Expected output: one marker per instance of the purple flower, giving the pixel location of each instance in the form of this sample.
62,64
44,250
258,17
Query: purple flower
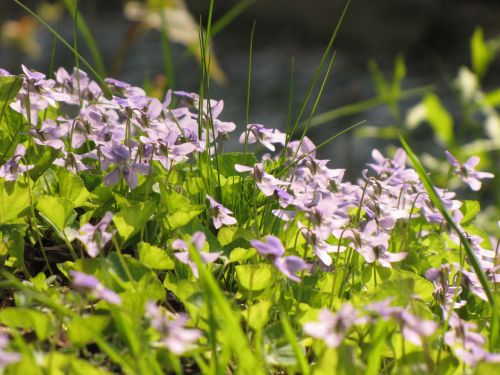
320,247
471,282
415,329
273,248
198,240
443,291
372,244
332,328
220,214
95,237
7,358
174,335
91,284
467,344
78,86
412,328
267,183
12,168
257,132
120,155
39,92
466,171
50,134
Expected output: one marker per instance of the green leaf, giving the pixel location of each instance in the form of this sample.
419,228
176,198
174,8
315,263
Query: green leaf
14,200
78,329
257,315
44,162
439,119
9,87
481,55
57,211
255,276
72,187
12,243
470,209
240,254
226,235
229,159
183,217
154,257
194,185
492,98
131,220
22,317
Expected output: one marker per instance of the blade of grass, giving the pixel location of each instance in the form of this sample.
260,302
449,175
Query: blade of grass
315,106
317,74
364,105
249,84
291,335
74,11
87,37
205,62
167,52
476,266
232,332
106,91
321,145
229,16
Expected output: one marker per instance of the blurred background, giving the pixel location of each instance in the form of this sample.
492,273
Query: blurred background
427,68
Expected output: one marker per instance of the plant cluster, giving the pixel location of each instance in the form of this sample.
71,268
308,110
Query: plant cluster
132,243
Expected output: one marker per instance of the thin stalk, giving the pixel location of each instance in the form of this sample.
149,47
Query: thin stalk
249,85
433,195
168,63
317,74
102,84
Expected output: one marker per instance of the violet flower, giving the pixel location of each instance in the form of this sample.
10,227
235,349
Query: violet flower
120,155
95,237
257,132
412,327
266,182
443,291
90,284
220,214
50,134
320,247
174,335
467,344
466,171
372,244
39,92
332,328
273,249
78,86
7,358
198,240
11,169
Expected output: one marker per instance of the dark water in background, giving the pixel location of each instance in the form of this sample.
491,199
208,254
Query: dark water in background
433,35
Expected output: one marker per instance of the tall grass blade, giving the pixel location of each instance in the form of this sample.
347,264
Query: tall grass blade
167,52
436,200
230,16
317,74
106,91
232,332
358,107
87,37
291,335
